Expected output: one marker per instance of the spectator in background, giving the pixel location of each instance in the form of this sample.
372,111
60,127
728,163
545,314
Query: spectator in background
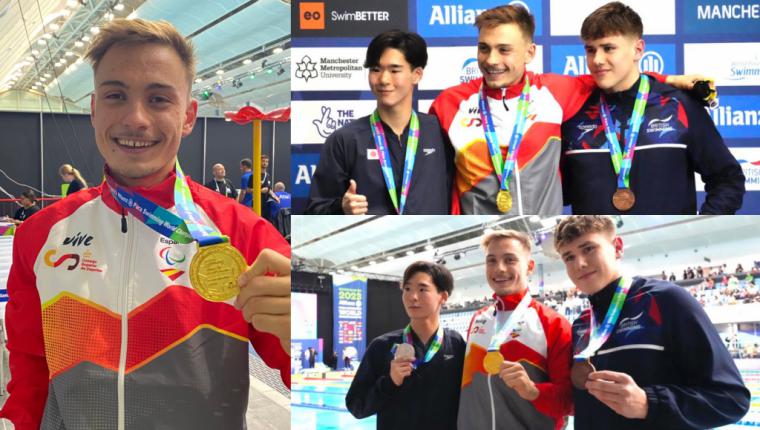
663,276
700,272
245,197
220,183
27,209
266,180
739,268
280,199
71,176
672,277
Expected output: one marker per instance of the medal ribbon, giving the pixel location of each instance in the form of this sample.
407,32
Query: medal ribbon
193,227
501,332
622,162
599,335
504,168
435,344
412,141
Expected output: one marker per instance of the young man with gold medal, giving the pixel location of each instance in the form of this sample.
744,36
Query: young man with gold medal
517,364
110,332
647,355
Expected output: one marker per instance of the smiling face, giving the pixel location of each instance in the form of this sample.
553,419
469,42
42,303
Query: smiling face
508,266
614,61
503,53
592,260
141,109
421,297
392,80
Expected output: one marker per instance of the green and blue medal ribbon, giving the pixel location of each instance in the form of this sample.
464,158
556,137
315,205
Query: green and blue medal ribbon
435,344
501,332
504,168
599,335
622,162
412,141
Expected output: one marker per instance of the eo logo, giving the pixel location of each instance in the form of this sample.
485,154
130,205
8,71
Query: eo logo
651,61
469,71
312,16
166,254
63,258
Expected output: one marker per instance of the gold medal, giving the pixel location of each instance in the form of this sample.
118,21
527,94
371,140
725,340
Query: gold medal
492,362
579,373
214,271
504,201
623,199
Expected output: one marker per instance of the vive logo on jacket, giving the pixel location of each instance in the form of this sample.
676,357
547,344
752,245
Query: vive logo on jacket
78,239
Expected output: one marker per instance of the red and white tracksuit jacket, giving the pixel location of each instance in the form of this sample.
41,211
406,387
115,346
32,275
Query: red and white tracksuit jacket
541,342
105,331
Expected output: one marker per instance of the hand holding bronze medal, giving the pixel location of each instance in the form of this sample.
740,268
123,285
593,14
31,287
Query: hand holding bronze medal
579,373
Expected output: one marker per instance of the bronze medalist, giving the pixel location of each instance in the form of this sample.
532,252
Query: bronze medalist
492,361
579,373
504,201
623,199
214,271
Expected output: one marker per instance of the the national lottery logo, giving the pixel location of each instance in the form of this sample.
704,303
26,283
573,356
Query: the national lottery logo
306,69
469,70
331,120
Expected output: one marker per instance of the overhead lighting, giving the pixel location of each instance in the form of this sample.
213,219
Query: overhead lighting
428,247
372,262
41,42
57,64
43,79
48,36
63,61
247,61
220,72
78,44
85,38
29,58
276,50
35,52
119,7
198,80
109,16
53,26
94,30
281,71
70,54
48,75
269,71
390,258
71,3
354,268
409,253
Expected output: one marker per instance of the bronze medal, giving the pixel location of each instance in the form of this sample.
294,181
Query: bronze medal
504,201
579,373
492,362
214,271
623,199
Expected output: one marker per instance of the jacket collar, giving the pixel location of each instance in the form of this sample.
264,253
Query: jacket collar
161,194
509,302
509,92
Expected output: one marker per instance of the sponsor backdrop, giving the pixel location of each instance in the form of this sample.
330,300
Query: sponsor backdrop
718,38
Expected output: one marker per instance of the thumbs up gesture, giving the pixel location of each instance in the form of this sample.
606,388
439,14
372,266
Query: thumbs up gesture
353,203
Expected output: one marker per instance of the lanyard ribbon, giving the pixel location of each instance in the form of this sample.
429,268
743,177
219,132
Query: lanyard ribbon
502,332
504,168
381,144
599,335
622,162
435,344
193,227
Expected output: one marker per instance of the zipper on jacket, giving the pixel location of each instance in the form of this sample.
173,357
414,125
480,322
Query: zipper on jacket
123,220
124,310
493,408
504,98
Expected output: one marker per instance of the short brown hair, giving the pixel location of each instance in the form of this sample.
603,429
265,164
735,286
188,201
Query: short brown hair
519,236
508,14
140,31
611,19
576,226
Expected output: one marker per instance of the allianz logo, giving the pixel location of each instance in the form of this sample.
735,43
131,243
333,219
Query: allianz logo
726,116
459,15
651,61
